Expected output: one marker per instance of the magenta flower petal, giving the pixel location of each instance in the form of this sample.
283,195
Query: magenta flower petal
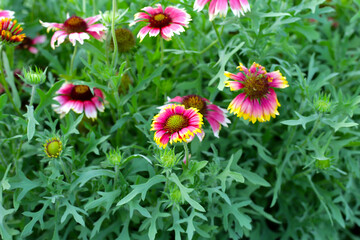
220,7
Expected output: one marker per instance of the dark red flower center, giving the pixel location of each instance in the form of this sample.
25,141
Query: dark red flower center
160,20
195,101
75,24
175,123
81,92
256,87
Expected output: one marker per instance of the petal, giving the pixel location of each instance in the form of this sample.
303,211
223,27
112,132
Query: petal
39,39
90,109
66,89
143,32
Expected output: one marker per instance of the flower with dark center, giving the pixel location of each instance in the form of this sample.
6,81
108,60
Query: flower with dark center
29,43
10,32
79,98
53,147
215,115
175,123
166,22
125,40
77,29
6,14
238,7
258,101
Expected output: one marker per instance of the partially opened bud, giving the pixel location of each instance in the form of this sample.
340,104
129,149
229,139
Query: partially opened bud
53,147
34,77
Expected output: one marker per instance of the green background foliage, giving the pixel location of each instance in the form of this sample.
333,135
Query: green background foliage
295,177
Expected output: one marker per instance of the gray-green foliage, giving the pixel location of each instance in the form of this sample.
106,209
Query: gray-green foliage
295,177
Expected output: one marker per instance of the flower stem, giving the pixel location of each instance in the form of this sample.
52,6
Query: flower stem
129,66
4,83
161,51
217,34
32,95
186,149
72,60
116,168
114,57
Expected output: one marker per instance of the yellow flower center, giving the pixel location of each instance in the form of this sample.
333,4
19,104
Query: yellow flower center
176,123
195,101
159,17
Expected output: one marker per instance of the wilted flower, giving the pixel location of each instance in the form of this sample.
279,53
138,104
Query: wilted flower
6,14
33,77
172,20
215,115
10,32
29,43
175,123
258,101
76,28
221,7
53,147
125,40
79,98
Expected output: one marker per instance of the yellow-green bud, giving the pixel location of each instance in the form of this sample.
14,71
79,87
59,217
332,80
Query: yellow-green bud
34,77
322,163
168,158
114,157
175,195
322,103
53,147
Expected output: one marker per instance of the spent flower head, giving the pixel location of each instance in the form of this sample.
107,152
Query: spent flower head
34,77
125,40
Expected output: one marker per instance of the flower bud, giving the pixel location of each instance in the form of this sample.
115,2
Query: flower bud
168,158
322,103
33,77
322,163
107,16
175,195
53,147
114,157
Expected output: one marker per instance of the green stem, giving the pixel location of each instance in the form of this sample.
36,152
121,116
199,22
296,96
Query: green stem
32,95
114,57
129,66
64,170
94,7
4,83
84,6
161,51
217,34
186,149
313,130
72,60
116,168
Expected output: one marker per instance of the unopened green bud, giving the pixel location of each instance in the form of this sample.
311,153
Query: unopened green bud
322,163
114,157
168,158
34,77
53,147
107,16
175,195
322,103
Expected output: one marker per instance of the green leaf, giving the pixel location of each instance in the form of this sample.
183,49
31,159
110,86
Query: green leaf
53,59
301,121
46,98
70,209
141,189
243,219
106,200
185,193
20,181
31,127
36,217
88,173
337,125
227,173
92,144
10,80
71,125
254,178
5,232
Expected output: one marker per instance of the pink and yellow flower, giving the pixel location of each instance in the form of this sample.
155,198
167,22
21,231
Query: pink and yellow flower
175,123
77,29
258,101
166,22
238,7
215,115
79,98
29,43
6,14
